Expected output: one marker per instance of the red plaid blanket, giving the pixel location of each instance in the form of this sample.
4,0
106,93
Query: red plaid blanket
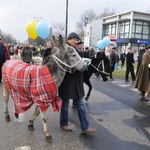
28,84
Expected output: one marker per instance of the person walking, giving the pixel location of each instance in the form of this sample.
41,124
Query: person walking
46,52
72,88
141,52
4,55
112,58
129,65
117,61
26,54
122,57
143,76
80,48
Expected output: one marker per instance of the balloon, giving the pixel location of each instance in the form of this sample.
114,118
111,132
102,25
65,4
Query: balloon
100,44
31,29
43,30
106,41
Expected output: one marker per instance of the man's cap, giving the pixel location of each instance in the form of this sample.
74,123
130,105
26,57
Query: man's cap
0,38
143,45
79,42
73,35
114,47
148,46
129,48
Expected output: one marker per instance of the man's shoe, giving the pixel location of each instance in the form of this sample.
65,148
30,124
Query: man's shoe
143,98
67,128
89,130
127,80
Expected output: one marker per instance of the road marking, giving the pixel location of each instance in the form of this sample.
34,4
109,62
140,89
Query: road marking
23,148
124,85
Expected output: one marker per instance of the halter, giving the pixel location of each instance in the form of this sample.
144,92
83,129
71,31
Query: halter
60,63
103,68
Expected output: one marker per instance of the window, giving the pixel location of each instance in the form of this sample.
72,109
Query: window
123,29
141,29
138,29
109,29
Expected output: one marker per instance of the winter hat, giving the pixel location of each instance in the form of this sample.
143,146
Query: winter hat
73,35
148,46
114,47
142,45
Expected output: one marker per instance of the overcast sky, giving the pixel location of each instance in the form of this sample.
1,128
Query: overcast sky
15,14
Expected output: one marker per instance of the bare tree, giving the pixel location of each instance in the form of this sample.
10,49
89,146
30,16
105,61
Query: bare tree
58,28
8,38
90,15
85,18
106,12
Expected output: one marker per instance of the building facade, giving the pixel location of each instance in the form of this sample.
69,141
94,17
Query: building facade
130,28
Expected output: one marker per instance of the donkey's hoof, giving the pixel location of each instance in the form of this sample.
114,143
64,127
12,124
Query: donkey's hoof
49,139
7,118
31,127
16,115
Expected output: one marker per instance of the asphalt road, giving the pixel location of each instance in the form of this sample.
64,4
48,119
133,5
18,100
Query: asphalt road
121,120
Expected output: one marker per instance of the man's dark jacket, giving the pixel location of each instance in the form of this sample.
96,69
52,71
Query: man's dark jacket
72,86
129,61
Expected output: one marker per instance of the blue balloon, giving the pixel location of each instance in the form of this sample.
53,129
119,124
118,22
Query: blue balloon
43,30
106,41
100,44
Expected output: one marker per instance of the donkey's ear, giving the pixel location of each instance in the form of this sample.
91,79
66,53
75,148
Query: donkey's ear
61,41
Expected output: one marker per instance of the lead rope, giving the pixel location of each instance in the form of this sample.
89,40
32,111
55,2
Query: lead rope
59,62
103,71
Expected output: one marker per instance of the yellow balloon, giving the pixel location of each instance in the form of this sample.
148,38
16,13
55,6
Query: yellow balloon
31,29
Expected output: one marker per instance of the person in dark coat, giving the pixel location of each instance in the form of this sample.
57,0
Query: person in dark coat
86,53
112,58
141,51
46,52
72,88
129,65
4,55
80,49
122,57
26,54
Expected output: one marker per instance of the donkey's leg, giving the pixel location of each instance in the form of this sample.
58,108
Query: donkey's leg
31,121
6,99
44,119
88,83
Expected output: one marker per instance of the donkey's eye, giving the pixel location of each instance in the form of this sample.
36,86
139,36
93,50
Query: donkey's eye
73,55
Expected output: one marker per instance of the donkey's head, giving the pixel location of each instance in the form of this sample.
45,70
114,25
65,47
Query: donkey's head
63,58
66,56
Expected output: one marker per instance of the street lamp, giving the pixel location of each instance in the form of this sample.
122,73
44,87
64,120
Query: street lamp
66,29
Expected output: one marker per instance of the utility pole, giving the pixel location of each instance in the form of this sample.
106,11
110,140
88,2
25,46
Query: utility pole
66,29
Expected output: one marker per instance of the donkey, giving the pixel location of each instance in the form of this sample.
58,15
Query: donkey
97,65
30,84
